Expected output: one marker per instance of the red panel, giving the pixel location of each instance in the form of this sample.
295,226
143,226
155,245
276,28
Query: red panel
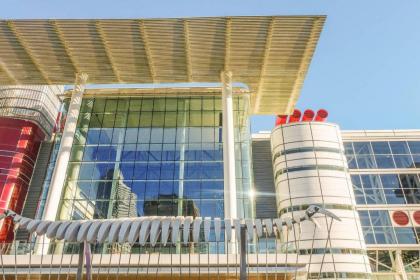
400,218
19,145
416,217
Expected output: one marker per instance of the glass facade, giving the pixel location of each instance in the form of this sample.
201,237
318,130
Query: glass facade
383,154
154,156
378,229
386,173
386,188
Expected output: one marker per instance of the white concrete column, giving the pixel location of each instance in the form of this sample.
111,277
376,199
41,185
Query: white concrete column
63,156
228,147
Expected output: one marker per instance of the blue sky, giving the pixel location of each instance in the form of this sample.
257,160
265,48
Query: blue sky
365,71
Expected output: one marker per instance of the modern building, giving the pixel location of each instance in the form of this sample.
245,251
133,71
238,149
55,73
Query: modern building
383,168
116,145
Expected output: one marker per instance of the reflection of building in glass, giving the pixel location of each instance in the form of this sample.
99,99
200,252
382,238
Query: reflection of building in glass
142,155
124,202
170,205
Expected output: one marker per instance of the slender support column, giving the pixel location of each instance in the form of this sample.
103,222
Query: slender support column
242,272
400,265
63,156
228,147
79,274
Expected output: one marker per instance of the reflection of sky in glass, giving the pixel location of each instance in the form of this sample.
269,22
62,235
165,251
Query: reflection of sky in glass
153,156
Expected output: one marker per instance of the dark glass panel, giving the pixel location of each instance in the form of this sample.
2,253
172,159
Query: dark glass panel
103,171
103,189
411,187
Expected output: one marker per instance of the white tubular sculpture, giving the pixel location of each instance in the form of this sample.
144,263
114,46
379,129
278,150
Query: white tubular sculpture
141,229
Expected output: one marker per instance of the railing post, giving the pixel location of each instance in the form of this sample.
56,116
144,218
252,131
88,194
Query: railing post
242,252
79,275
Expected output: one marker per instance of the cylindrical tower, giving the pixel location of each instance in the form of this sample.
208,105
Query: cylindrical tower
310,168
27,118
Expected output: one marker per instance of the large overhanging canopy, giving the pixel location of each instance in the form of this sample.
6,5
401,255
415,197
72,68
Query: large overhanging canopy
269,54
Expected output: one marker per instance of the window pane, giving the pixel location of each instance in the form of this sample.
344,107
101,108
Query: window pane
390,181
371,181
384,235
405,235
403,161
394,196
416,161
362,148
399,147
90,153
414,147
384,161
364,218
381,148
380,218
348,148
365,161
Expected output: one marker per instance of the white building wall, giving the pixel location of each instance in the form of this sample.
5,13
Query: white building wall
310,168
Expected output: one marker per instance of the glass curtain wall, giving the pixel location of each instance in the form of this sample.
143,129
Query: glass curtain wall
154,156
